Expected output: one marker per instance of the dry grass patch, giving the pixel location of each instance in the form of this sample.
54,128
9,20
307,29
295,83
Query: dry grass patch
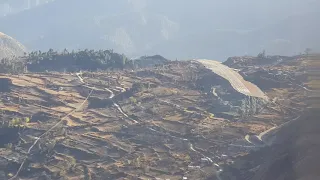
62,109
108,128
162,91
34,80
72,123
21,82
14,108
176,117
98,136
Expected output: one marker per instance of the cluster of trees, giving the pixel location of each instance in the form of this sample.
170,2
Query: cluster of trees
11,66
51,60
76,60
262,55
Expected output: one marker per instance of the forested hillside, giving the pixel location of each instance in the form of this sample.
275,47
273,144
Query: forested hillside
51,60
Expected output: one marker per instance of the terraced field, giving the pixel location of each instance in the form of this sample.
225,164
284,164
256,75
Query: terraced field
143,124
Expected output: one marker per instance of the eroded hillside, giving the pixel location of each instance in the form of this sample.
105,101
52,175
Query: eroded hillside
175,120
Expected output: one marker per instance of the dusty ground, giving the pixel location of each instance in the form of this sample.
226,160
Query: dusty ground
160,129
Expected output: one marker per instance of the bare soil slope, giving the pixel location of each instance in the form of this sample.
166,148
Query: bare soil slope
161,122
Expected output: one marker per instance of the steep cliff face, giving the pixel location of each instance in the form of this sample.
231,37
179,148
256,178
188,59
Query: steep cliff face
10,47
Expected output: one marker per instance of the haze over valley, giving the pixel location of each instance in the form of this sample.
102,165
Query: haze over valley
180,29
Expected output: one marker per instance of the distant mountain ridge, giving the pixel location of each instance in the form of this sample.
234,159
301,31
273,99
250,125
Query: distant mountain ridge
201,30
120,27
289,36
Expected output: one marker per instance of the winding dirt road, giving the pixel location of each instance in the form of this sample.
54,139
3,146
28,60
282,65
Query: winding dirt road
110,97
262,136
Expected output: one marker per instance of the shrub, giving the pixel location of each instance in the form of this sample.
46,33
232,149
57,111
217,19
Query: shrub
133,100
262,55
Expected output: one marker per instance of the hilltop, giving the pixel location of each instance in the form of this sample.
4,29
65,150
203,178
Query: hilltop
10,47
167,120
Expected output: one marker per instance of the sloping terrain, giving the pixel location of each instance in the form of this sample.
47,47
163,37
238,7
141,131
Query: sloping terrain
159,122
172,121
10,47
294,145
235,79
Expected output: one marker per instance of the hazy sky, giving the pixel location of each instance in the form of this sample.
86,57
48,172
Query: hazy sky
175,28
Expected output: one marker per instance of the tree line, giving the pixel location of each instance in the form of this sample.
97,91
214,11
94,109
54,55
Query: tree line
92,60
